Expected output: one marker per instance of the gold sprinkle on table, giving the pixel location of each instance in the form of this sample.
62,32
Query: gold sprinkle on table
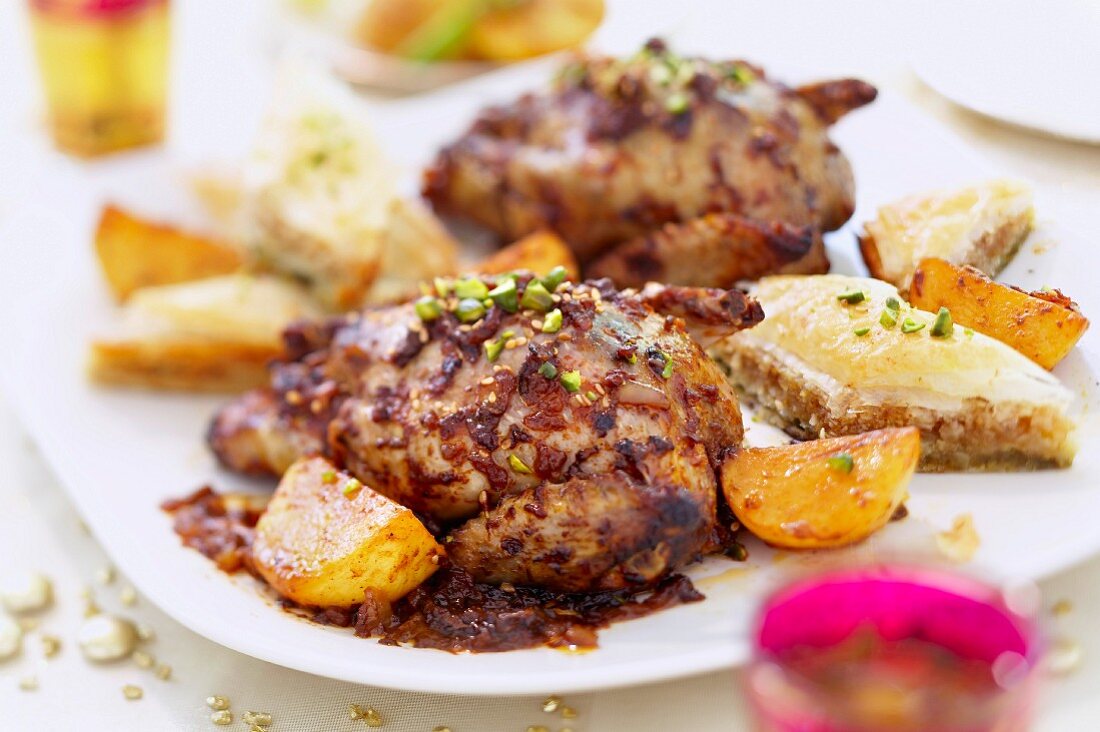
145,633
1064,657
163,672
441,728
222,717
259,719
538,728
105,575
568,713
368,714
51,645
217,702
143,659
132,692
1062,607
28,683
128,596
551,704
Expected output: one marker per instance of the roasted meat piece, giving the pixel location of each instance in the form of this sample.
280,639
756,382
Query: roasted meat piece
617,149
565,440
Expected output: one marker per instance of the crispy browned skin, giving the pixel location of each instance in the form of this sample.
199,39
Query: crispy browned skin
715,250
615,483
619,147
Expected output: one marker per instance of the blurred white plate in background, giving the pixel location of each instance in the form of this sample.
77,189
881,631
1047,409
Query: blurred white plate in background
1034,65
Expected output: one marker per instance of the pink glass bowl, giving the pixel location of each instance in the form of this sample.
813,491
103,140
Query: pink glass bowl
961,615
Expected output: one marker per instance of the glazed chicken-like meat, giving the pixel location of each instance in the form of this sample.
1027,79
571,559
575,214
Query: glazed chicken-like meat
575,456
618,149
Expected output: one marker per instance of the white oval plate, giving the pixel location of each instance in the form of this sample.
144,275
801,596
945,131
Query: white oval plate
120,453
1005,61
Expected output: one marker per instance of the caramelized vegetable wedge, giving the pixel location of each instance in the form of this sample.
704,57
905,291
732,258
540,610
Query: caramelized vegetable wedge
822,493
135,253
326,540
539,252
516,31
1044,326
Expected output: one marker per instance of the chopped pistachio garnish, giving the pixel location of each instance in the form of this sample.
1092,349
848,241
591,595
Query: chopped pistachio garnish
428,308
472,288
741,74
352,487
677,103
910,326
633,359
554,278
329,476
942,327
666,372
493,349
862,331
217,702
571,380
260,719
469,310
132,692
506,296
888,319
552,322
222,717
852,296
841,462
517,464
548,370
892,303
536,297
443,286
591,396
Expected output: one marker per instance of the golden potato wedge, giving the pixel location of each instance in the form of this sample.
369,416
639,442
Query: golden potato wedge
1044,326
135,253
526,30
326,539
214,335
539,252
822,493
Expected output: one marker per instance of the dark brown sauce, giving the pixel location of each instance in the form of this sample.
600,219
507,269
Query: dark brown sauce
450,611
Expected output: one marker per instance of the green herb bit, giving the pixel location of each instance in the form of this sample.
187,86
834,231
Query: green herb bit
506,296
677,103
507,334
841,462
942,327
552,322
910,326
862,331
852,296
428,308
472,288
443,286
591,396
571,380
518,465
741,74
888,319
554,278
493,349
536,297
469,310
892,303
352,487
548,370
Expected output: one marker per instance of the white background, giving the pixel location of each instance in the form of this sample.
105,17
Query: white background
221,52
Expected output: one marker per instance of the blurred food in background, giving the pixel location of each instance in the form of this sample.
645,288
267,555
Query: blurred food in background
413,45
488,30
104,70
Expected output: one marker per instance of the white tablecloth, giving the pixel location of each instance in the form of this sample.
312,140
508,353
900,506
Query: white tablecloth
217,49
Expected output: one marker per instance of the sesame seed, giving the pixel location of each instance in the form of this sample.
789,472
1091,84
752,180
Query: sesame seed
492,397
521,341
487,381
217,702
222,717
599,388
536,324
563,336
510,343
551,704
131,692
259,719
